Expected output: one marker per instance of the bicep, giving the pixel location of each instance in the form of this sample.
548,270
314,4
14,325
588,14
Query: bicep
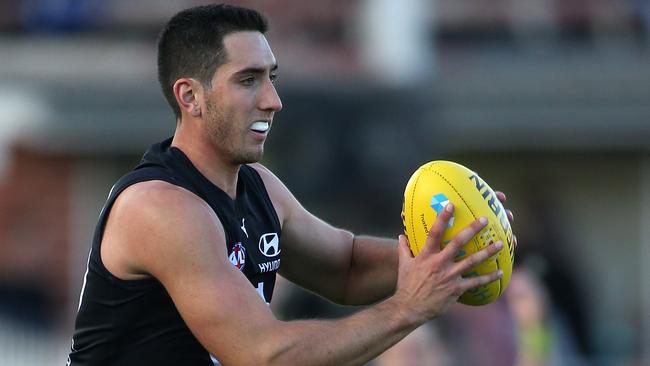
347,269
315,255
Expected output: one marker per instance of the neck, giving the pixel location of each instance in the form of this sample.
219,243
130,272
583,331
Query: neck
207,160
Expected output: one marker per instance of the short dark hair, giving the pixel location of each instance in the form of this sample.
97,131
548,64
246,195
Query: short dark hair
191,44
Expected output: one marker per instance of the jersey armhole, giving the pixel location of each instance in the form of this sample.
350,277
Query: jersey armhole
137,176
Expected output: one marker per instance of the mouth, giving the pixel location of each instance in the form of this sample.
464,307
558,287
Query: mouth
260,126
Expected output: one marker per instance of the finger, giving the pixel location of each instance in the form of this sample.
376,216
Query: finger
476,258
463,237
501,196
478,281
511,216
404,248
514,240
434,236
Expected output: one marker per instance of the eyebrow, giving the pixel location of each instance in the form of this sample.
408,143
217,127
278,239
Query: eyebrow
254,70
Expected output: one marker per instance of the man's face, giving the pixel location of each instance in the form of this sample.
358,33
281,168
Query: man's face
242,100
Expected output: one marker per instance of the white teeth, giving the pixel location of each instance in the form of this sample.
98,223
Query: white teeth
260,126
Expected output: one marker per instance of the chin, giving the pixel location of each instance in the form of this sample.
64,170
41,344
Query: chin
250,157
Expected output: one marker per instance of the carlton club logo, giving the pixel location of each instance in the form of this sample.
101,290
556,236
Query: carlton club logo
238,256
269,244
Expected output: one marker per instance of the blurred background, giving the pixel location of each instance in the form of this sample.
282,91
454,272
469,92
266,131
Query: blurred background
549,101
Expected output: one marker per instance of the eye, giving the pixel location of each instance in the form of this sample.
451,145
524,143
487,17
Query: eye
273,78
248,81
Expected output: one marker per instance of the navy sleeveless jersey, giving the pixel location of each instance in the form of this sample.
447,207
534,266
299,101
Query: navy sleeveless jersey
135,322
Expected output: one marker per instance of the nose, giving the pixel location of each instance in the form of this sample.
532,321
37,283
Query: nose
270,100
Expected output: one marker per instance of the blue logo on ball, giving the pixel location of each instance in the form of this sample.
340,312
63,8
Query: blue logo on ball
438,203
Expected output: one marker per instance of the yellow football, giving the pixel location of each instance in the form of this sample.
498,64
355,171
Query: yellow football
429,190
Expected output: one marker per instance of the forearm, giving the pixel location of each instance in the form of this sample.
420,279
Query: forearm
373,270
353,340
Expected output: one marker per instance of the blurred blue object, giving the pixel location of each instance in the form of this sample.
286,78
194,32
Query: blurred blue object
60,15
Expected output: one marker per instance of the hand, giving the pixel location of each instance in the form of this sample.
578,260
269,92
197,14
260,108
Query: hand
502,197
431,282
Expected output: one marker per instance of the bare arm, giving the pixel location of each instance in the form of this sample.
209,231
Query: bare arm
342,267
177,238
336,264
373,270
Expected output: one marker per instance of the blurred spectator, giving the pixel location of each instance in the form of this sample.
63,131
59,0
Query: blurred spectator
544,338
547,253
529,304
484,335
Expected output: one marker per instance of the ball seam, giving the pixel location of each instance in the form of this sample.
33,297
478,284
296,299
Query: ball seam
417,179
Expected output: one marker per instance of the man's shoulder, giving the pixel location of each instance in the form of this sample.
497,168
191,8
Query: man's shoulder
155,199
270,180
283,200
158,191
155,226
262,170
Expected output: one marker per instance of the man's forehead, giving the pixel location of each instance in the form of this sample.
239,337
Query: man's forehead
248,50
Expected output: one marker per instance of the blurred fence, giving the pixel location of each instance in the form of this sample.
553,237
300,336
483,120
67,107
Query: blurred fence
21,346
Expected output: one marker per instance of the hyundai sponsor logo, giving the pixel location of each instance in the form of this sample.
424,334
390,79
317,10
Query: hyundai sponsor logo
270,244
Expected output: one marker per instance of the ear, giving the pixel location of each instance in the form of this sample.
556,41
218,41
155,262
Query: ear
188,94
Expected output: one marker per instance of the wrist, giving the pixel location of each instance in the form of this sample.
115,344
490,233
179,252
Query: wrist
405,316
